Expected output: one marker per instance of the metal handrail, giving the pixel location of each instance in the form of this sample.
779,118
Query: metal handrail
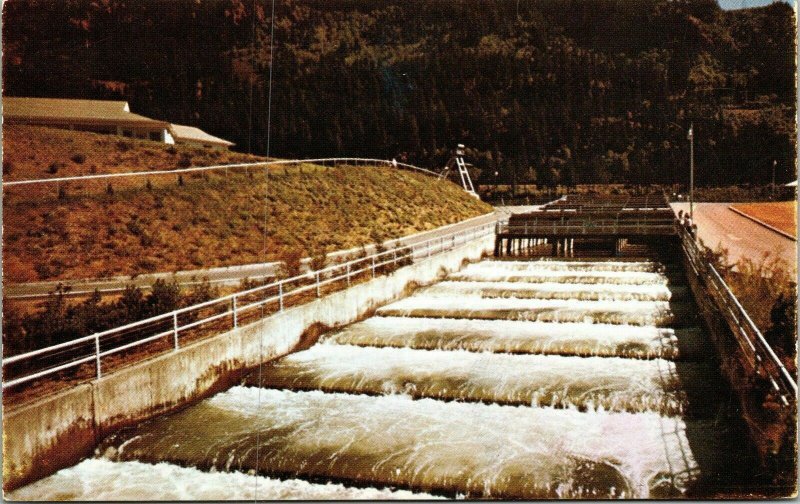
761,354
587,226
179,171
234,307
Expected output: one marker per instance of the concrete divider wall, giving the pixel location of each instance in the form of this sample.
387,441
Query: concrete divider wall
57,431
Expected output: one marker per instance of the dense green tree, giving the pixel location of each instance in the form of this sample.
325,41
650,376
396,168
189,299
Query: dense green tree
549,91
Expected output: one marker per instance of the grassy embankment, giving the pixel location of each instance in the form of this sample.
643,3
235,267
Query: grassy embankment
198,220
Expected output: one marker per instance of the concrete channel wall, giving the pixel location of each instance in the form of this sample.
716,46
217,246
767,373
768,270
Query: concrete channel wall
768,429
54,432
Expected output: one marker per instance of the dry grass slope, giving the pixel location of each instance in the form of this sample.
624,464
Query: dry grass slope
31,152
202,220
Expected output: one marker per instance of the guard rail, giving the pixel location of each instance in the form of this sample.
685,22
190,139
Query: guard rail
169,330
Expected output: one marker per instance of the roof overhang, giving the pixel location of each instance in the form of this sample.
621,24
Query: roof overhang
88,121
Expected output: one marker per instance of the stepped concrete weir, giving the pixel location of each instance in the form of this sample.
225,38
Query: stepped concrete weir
605,392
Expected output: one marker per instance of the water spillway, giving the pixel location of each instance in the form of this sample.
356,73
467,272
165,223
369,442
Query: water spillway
508,379
513,336
105,480
592,383
644,313
557,291
476,449
548,275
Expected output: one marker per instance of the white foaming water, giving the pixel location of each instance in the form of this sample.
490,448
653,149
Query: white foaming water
589,445
517,336
499,274
586,383
550,290
553,265
474,449
543,310
104,480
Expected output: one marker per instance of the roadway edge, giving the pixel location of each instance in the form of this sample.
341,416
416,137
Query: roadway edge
759,221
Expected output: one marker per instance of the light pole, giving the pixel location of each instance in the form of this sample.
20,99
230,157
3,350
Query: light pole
690,137
774,164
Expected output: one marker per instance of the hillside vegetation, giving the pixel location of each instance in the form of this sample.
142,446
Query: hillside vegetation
546,91
32,152
220,218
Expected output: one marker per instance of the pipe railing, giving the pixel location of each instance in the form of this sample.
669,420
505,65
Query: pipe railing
758,353
263,164
588,227
223,313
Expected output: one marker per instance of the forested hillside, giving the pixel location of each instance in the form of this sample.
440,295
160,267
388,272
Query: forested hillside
546,91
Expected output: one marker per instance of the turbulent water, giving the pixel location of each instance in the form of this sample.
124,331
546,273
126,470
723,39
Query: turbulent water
547,275
104,480
555,290
512,336
510,379
482,450
652,313
592,383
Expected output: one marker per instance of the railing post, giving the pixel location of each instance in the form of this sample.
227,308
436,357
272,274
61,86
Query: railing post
318,291
235,314
97,355
348,274
280,295
175,329
394,256
373,266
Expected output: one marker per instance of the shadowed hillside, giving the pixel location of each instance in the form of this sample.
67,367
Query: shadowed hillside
545,91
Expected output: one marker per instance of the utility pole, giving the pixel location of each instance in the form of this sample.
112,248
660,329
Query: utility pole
690,137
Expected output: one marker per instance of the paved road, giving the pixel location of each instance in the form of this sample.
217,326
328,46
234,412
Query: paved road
719,225
228,276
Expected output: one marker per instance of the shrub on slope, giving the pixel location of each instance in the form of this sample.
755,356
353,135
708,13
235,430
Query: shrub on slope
215,219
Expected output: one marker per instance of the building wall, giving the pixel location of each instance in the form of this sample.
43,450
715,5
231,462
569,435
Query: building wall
168,138
143,132
193,143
